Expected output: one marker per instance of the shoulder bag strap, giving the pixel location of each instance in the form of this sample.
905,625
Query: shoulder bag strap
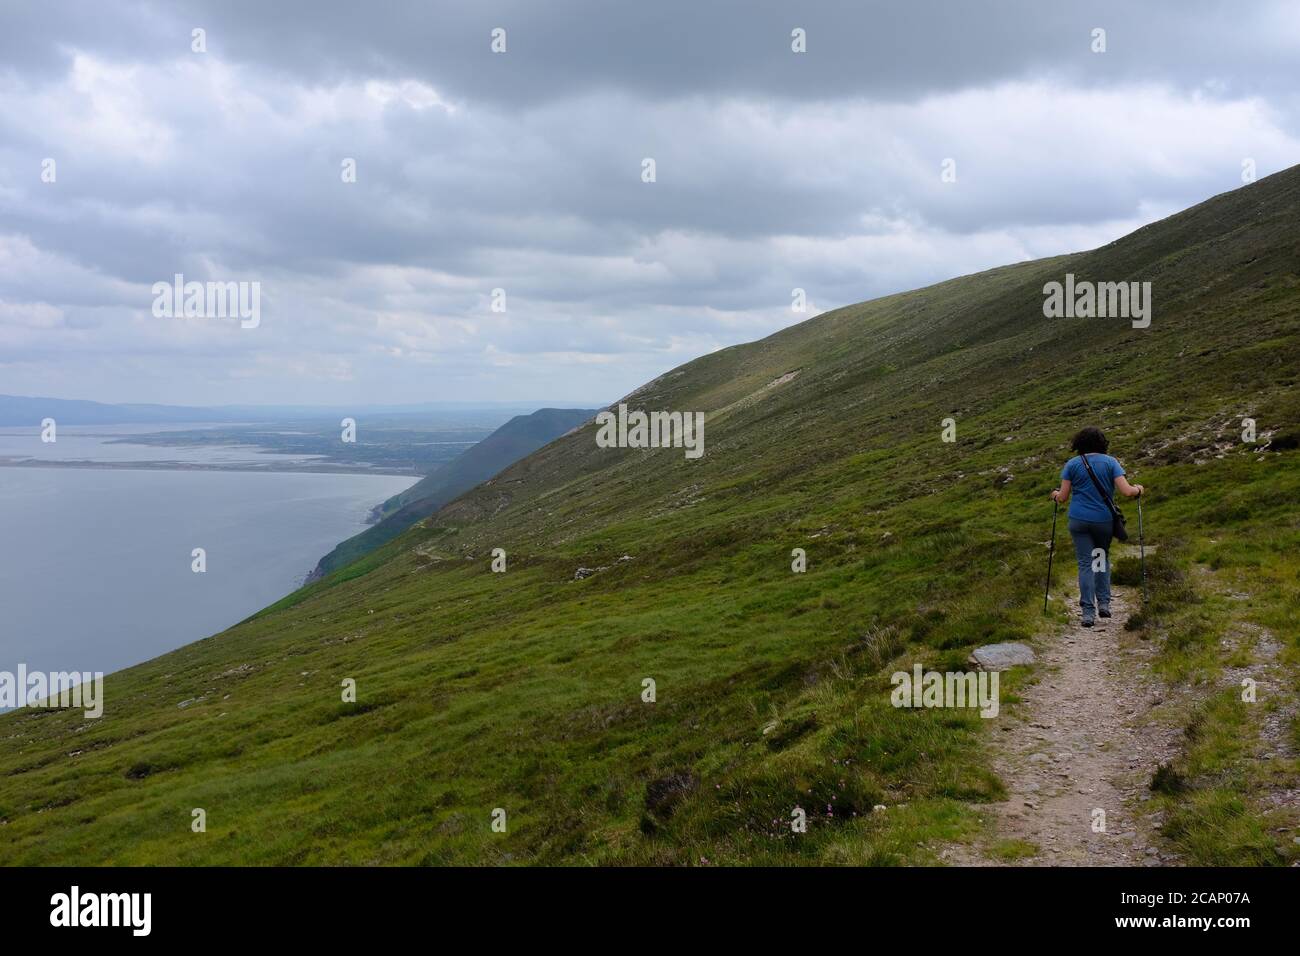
1100,490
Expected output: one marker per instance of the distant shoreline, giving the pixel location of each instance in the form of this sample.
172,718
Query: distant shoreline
250,467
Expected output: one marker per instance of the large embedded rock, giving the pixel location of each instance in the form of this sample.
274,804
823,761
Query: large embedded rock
1000,657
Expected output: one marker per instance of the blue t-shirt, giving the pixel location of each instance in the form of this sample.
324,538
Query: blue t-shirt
1085,503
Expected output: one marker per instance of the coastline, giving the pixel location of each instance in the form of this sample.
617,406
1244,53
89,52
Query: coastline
303,468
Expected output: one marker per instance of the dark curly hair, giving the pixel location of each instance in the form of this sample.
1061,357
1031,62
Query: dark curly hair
1090,441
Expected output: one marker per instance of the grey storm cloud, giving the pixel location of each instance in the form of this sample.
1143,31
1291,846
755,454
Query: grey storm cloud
876,48
522,171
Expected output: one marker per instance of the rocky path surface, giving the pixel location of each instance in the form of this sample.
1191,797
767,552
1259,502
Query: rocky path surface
1078,753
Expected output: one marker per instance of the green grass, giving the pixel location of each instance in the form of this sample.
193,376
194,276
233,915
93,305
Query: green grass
1216,794
1008,851
523,690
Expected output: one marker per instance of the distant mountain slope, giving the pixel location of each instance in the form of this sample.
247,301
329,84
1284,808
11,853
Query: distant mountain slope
17,410
518,437
690,693
20,410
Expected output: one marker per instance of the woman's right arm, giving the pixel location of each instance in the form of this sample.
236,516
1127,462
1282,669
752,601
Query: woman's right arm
1127,490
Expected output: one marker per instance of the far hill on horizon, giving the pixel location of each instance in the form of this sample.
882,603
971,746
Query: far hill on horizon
22,410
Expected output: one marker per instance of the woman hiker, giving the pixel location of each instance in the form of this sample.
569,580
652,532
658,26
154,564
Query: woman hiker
1091,519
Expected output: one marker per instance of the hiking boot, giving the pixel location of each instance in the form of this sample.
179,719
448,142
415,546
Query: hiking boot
1088,622
1104,612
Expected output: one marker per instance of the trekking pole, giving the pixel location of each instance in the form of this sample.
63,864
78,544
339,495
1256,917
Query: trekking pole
1056,506
1142,551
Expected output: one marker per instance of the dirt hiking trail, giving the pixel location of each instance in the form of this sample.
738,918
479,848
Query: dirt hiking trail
1087,736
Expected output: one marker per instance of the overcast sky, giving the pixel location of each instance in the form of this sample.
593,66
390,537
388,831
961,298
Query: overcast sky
522,171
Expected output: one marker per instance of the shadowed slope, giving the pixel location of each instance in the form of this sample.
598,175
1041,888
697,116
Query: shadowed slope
518,437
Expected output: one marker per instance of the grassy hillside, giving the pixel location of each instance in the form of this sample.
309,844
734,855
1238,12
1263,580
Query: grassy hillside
522,690
518,437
